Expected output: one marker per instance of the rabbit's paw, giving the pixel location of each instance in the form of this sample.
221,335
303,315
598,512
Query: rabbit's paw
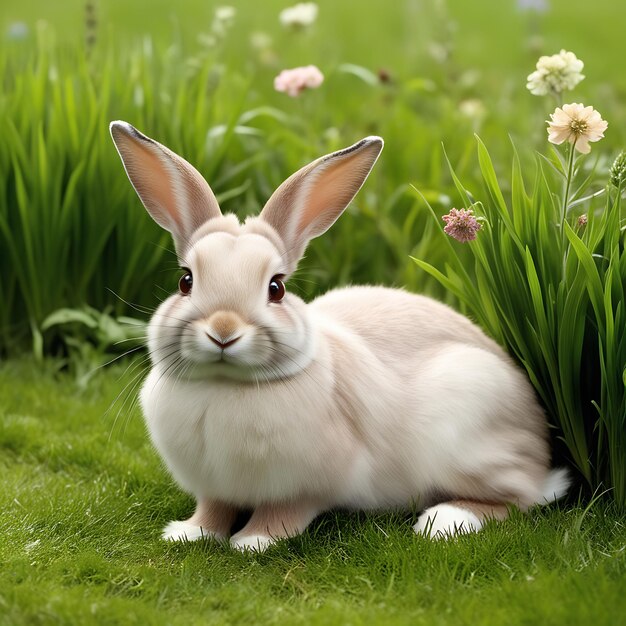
255,543
184,531
445,521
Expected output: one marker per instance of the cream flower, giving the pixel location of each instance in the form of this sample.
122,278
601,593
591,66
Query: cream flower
472,108
299,16
577,124
555,74
292,82
260,40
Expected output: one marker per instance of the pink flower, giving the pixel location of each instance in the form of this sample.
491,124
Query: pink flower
461,224
292,82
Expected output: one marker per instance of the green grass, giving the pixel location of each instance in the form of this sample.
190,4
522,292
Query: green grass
84,499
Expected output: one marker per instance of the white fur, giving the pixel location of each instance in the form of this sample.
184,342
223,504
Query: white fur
422,424
555,486
177,531
254,543
444,521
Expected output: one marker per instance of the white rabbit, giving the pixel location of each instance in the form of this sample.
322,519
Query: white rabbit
365,398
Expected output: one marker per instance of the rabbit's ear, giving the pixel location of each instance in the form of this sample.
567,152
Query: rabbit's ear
308,202
172,190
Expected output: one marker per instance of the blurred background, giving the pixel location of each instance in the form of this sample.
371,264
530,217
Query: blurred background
200,79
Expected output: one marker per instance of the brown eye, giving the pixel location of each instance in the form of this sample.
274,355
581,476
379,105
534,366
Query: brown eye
185,283
276,289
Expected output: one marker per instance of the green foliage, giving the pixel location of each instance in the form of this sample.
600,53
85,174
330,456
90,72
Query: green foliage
93,338
84,499
71,227
552,289
66,226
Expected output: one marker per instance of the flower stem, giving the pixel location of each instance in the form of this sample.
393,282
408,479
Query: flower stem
568,183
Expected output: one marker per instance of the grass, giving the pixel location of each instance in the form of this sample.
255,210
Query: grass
84,498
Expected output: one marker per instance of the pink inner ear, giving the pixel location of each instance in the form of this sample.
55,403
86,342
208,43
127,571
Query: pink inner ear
331,191
154,184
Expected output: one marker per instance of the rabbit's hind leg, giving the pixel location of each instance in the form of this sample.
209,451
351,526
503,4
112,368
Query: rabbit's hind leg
448,519
271,522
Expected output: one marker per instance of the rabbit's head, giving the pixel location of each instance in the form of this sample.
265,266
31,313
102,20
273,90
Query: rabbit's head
233,317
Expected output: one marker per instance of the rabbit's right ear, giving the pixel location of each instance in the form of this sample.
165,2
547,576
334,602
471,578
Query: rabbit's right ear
173,191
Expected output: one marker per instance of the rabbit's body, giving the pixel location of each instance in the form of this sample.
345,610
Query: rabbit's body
380,417
367,397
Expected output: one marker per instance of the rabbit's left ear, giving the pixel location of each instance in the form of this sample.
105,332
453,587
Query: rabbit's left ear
172,190
309,201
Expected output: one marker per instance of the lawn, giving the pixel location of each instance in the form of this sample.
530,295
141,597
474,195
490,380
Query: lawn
84,498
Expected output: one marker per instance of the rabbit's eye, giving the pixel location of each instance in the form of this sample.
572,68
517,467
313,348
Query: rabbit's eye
185,283
276,289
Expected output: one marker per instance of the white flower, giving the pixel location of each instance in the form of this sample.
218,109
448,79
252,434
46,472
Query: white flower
555,74
260,40
225,14
262,44
299,16
473,109
577,124
223,19
292,82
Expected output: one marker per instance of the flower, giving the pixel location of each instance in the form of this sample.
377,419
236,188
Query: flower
473,109
225,14
540,6
223,19
617,173
293,81
582,220
577,124
299,16
555,74
384,76
17,30
263,46
260,41
461,224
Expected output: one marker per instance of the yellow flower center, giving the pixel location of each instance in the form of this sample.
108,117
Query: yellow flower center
578,127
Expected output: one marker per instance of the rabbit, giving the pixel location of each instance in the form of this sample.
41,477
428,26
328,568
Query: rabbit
365,398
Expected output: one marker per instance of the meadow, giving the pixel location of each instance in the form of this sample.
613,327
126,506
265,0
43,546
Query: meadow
85,497
82,265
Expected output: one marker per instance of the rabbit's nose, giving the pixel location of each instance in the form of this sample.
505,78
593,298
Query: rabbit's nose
224,328
223,344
